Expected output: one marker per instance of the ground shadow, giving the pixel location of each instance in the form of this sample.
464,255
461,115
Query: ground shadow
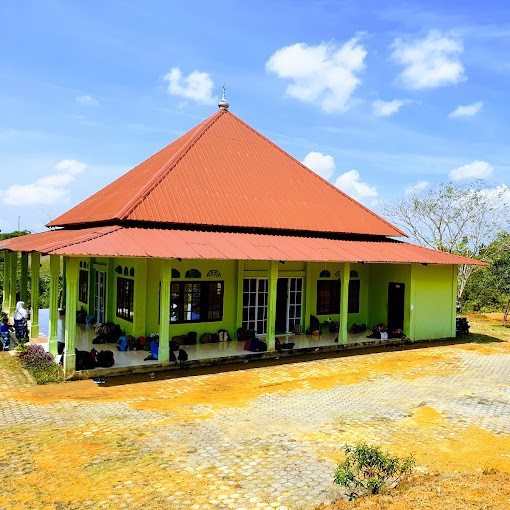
295,357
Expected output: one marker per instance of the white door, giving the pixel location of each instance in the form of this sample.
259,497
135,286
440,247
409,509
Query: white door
100,296
255,292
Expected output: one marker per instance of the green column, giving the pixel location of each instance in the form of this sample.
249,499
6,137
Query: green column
72,267
344,300
412,300
24,278
13,280
271,305
455,275
239,300
6,281
140,297
35,263
62,302
308,297
53,314
164,306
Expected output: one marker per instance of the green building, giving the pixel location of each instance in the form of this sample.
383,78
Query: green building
222,230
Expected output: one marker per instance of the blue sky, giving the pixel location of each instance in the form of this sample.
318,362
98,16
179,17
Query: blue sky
378,97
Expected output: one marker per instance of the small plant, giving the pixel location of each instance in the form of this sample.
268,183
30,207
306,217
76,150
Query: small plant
369,470
40,364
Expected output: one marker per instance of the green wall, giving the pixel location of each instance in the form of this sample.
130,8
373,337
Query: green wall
430,293
434,301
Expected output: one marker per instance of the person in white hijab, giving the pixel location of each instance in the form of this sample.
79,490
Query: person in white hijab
20,320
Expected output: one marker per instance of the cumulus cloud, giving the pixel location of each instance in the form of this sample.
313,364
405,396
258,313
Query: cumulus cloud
326,74
467,110
46,190
474,170
87,101
197,86
430,62
350,183
415,188
387,108
321,164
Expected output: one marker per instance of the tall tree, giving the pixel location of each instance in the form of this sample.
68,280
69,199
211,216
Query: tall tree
457,218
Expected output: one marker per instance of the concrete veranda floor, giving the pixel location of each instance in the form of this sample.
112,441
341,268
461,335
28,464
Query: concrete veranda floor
265,436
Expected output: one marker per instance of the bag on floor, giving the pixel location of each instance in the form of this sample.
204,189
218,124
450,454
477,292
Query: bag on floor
182,356
105,359
122,344
223,335
84,360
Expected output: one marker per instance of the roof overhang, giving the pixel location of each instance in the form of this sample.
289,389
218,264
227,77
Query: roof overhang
115,241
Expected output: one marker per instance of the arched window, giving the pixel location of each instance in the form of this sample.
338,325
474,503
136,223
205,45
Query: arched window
325,274
193,273
213,273
354,274
175,274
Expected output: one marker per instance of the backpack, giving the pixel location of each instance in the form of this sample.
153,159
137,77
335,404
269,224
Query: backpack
262,346
242,335
122,343
84,360
105,359
182,356
206,338
223,335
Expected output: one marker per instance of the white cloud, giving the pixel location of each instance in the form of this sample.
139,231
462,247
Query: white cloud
387,108
419,186
467,110
350,183
87,101
325,74
430,62
196,86
474,170
321,164
46,190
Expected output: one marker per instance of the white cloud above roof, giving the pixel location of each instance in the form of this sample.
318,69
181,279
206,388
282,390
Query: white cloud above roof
415,188
87,101
430,62
349,182
474,170
387,108
466,110
321,164
45,190
326,74
197,86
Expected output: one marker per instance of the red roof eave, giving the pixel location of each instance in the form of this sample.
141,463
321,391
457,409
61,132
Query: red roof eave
117,241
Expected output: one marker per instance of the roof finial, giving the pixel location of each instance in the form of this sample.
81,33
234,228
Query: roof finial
223,104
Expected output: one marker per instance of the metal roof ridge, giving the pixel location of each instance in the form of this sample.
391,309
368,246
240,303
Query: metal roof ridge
174,159
319,177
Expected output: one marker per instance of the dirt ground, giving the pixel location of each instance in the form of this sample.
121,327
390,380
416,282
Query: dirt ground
45,465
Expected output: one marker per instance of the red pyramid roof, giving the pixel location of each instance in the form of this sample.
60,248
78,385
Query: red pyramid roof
223,173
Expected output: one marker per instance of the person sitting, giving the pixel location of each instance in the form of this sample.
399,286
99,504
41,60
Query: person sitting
154,351
5,334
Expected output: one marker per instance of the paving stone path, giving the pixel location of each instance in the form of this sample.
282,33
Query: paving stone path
277,450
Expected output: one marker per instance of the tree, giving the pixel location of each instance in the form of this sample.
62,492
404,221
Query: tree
489,289
455,218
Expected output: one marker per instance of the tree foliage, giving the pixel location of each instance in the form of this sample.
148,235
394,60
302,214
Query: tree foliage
456,218
489,289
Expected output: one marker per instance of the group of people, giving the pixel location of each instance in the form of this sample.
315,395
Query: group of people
20,327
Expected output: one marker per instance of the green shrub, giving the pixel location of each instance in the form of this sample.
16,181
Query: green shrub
369,470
